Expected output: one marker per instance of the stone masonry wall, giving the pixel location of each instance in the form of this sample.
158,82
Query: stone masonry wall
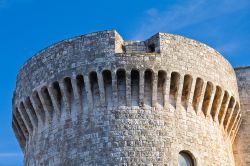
99,100
242,141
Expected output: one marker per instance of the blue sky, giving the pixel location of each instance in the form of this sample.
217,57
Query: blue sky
27,26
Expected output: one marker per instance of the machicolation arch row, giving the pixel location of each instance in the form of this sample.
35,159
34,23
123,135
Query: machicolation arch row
125,88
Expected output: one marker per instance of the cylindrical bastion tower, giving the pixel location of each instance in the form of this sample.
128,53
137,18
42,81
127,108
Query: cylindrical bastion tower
99,100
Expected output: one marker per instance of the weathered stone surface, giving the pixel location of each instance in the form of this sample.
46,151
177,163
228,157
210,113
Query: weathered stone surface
242,141
99,100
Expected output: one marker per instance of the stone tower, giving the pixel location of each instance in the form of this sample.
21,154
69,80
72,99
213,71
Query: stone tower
242,142
99,100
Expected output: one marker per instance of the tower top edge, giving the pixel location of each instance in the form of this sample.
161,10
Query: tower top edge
116,35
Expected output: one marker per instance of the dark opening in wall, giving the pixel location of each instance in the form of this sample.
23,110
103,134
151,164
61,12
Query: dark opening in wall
121,86
94,89
161,87
57,94
223,106
80,84
24,134
229,111
148,87
186,90
174,86
124,50
69,90
107,79
234,116
39,106
207,98
186,158
19,134
197,93
32,110
135,79
26,117
232,133
21,123
151,48
81,89
47,100
216,101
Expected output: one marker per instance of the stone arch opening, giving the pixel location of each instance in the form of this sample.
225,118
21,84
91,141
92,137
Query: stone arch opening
57,93
107,80
94,87
82,91
69,90
174,86
197,93
229,111
32,110
234,116
207,97
223,106
121,86
47,99
135,83
216,101
18,133
39,106
235,126
186,158
25,116
21,123
186,90
148,87
22,133
161,87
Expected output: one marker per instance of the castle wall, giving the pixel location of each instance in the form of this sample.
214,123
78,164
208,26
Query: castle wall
129,136
242,141
99,100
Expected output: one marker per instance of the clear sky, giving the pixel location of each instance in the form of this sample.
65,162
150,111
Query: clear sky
27,26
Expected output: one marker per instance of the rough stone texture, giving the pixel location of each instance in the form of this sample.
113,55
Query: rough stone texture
242,141
99,100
